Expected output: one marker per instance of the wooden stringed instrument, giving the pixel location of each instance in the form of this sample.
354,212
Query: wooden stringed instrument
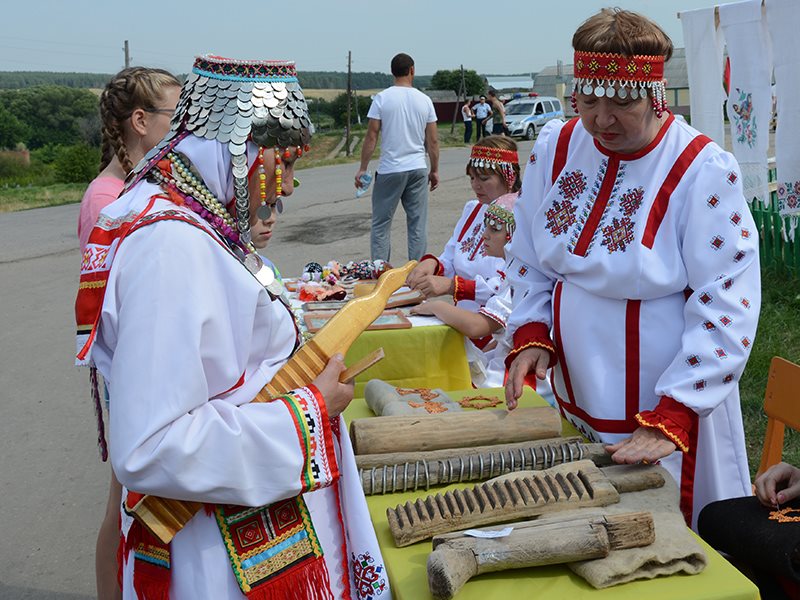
164,517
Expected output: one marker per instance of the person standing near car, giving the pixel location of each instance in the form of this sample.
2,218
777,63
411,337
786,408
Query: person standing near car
498,114
483,113
406,120
466,115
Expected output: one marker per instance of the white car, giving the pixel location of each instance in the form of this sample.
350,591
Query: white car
525,117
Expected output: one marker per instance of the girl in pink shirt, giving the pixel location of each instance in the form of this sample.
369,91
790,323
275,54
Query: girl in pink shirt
135,110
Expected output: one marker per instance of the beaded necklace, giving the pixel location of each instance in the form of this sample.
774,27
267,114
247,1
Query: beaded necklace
184,187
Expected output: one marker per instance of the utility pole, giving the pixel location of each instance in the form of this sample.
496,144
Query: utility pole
349,92
126,49
462,89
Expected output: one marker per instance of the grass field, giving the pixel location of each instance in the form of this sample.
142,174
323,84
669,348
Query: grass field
778,335
37,196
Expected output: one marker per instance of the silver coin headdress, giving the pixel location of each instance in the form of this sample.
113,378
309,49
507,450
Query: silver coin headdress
231,101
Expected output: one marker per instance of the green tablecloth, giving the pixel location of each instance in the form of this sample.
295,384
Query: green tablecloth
406,567
429,356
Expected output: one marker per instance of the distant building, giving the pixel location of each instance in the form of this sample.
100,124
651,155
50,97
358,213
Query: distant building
556,81
445,104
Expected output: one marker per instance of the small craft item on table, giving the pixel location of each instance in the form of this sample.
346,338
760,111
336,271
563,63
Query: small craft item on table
511,497
385,399
457,557
479,402
363,269
318,283
404,471
329,305
164,517
405,298
388,319
453,430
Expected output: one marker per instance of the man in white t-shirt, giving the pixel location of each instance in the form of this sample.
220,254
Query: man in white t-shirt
406,120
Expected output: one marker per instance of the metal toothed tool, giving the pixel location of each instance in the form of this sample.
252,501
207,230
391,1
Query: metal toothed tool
401,472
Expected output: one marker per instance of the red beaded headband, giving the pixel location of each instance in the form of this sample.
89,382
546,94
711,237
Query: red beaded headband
493,155
604,65
483,157
609,74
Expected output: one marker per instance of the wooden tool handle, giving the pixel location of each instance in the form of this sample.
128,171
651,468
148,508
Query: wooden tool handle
458,557
362,365
457,430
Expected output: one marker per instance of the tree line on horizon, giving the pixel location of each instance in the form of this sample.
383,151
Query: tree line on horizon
308,79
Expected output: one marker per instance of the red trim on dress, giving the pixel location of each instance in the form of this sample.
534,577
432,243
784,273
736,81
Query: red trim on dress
481,343
599,206
569,406
439,268
463,289
528,336
659,208
235,385
688,465
469,221
632,358
562,147
675,420
644,151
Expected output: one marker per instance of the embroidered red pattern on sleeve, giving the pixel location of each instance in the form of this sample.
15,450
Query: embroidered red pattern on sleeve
315,435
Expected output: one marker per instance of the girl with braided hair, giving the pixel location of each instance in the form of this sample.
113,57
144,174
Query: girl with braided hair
135,110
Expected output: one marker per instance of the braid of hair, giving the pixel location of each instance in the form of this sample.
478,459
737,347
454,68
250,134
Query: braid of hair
130,89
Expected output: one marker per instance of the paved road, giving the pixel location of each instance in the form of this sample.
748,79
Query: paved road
52,485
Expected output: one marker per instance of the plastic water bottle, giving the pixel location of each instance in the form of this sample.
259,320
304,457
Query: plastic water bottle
365,180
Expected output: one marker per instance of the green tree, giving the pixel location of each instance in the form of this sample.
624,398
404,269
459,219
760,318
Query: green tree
451,80
77,164
52,114
338,109
12,130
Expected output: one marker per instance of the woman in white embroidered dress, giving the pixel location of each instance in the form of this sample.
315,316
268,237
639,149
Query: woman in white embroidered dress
635,245
188,331
464,270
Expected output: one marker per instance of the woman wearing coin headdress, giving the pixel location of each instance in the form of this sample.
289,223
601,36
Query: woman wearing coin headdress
176,313
634,243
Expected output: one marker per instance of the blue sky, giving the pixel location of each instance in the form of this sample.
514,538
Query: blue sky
490,37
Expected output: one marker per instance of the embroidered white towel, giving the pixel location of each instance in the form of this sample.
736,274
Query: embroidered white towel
704,45
749,97
783,20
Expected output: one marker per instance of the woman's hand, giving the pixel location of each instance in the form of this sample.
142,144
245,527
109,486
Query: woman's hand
426,308
420,272
531,359
646,445
337,395
778,485
435,285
